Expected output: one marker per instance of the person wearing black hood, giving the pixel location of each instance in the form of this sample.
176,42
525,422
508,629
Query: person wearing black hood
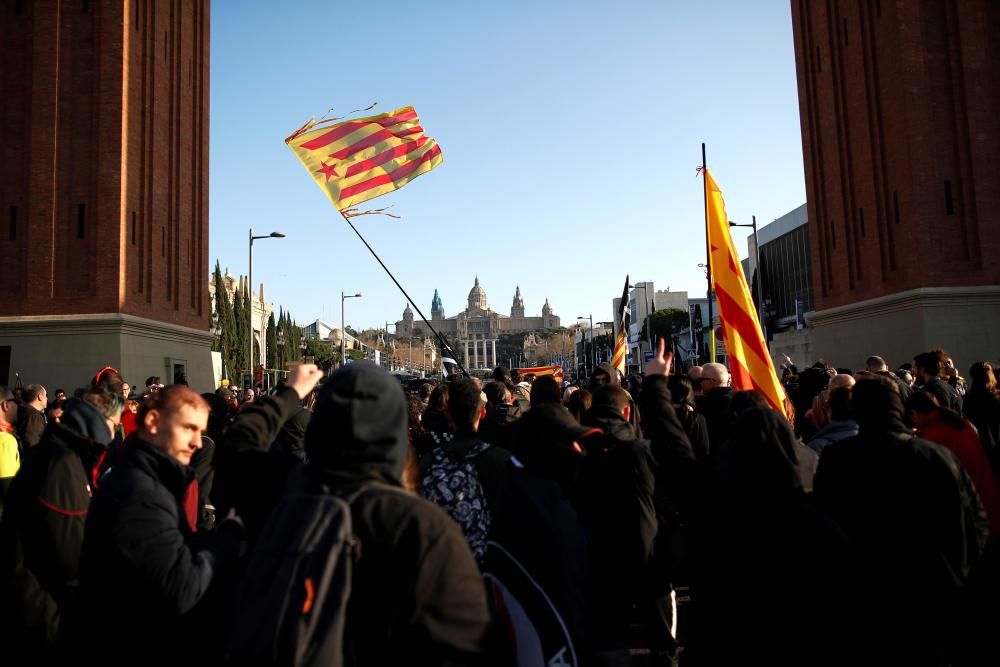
915,524
41,537
416,593
502,415
614,496
537,542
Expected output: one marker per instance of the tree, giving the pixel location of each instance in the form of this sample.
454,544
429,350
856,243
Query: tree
226,323
240,328
321,352
272,343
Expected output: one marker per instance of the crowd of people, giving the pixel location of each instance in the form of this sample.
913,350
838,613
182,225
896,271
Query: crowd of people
662,519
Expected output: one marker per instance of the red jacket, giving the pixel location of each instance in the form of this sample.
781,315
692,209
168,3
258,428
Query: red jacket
965,445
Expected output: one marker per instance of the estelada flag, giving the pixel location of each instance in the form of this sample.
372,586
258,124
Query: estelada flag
360,159
749,362
539,371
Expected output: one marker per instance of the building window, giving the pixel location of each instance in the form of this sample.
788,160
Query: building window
861,217
13,223
135,14
86,6
133,227
895,206
844,24
80,221
819,61
833,234
163,241
949,203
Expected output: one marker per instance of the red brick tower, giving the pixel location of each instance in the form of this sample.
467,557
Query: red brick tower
899,104
104,188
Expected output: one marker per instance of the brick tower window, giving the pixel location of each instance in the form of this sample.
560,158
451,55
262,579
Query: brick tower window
13,223
81,220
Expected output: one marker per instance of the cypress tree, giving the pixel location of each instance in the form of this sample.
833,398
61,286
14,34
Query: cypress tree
272,342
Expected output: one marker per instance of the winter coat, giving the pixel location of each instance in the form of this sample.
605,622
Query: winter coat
139,566
497,427
417,595
43,527
915,527
965,445
833,432
614,497
30,426
945,394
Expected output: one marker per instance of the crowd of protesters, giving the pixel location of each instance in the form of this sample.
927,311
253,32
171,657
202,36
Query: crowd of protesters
660,519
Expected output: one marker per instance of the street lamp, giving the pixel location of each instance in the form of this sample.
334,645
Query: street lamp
272,235
760,275
592,365
343,326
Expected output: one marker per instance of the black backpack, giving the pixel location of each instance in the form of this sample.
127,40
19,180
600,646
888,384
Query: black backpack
292,604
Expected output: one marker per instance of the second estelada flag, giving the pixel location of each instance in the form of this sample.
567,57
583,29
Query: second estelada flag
360,159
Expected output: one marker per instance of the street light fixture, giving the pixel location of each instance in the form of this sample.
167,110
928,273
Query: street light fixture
760,275
343,326
272,235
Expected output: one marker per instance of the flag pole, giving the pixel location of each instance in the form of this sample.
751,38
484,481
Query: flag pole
708,261
441,340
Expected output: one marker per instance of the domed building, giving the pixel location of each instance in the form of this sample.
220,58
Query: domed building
477,328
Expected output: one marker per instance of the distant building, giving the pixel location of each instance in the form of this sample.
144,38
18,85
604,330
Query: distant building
644,300
261,311
478,327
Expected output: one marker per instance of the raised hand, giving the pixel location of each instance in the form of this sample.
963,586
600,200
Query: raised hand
304,379
662,361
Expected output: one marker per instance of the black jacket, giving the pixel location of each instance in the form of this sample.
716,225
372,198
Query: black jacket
139,570
614,497
915,525
43,527
30,426
497,427
716,407
946,395
417,594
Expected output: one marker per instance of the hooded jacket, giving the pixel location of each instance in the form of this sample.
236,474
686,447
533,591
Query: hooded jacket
833,432
417,595
914,523
41,538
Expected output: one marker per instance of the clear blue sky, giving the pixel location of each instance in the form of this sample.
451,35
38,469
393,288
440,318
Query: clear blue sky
571,132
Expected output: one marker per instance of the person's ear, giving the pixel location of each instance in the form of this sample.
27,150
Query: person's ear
151,422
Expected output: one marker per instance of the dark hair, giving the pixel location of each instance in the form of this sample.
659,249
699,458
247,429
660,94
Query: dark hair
414,408
5,393
681,389
496,392
501,374
924,403
579,403
611,395
983,379
152,379
465,402
747,399
545,390
439,399
515,376
928,362
107,401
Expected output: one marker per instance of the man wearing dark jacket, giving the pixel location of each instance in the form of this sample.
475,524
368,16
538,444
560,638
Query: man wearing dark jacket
42,534
417,596
31,415
928,366
502,415
915,524
614,496
140,569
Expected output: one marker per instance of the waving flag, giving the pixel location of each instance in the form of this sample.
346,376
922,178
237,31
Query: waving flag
621,341
749,361
360,159
541,371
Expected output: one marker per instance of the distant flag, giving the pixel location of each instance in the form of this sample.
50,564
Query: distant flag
750,364
624,317
448,363
556,371
360,159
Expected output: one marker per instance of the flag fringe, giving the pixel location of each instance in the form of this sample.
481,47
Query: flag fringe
312,123
354,212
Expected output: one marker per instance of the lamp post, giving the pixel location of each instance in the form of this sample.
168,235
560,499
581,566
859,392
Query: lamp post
592,365
343,326
272,235
760,275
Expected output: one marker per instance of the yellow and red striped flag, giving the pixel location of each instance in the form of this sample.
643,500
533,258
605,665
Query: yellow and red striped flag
749,361
621,340
360,159
540,371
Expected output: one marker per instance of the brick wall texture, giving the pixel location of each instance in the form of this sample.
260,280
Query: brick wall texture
899,102
104,169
